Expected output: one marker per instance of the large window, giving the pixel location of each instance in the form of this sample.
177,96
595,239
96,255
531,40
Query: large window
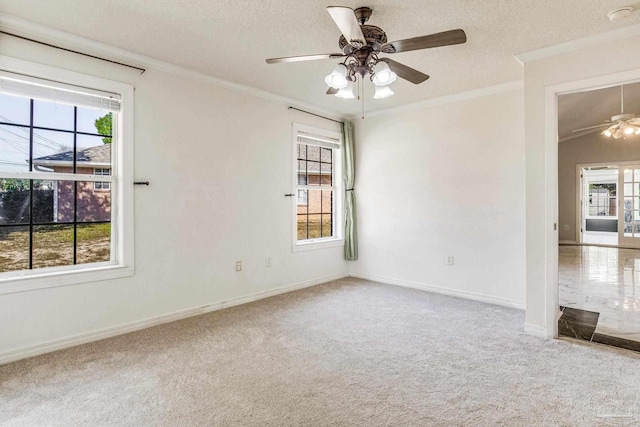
317,166
60,208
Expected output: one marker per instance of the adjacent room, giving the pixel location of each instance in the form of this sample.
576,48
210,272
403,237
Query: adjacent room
303,213
599,254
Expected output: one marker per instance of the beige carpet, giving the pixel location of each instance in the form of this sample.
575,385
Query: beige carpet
347,353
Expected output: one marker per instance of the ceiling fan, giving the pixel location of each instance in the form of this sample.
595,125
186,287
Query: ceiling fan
619,126
361,44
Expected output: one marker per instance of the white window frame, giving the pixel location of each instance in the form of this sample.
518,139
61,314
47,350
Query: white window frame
121,182
338,192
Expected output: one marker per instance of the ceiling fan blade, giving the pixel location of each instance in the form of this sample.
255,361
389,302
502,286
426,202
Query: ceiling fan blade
446,38
346,21
576,134
305,58
592,127
405,72
332,91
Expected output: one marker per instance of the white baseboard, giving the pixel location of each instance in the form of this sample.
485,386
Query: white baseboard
445,291
535,330
60,344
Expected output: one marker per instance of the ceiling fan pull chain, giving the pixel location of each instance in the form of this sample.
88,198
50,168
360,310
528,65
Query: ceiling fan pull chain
362,99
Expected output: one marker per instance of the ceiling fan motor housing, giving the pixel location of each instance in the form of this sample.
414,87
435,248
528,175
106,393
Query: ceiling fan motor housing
372,34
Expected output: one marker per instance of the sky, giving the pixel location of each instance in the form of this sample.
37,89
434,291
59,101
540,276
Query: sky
14,141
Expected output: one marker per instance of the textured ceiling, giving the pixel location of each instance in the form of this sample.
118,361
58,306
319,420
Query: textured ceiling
231,39
594,107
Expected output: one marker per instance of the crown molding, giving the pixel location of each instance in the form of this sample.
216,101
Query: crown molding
449,99
67,40
578,44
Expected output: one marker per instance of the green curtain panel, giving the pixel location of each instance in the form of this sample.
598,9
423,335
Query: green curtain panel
350,224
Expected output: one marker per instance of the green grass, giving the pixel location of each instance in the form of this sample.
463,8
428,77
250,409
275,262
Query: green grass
314,229
53,246
88,233
64,233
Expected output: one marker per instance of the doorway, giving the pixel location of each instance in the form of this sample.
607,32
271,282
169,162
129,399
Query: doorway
629,184
598,205
598,283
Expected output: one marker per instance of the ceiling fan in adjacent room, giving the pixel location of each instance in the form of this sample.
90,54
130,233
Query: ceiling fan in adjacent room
620,125
361,46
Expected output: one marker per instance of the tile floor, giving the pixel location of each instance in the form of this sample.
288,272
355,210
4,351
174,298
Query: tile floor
605,281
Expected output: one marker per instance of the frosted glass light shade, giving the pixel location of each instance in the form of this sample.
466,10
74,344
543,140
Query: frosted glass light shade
338,77
383,76
617,134
382,92
346,92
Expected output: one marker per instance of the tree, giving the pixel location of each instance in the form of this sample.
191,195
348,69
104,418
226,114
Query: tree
104,125
9,184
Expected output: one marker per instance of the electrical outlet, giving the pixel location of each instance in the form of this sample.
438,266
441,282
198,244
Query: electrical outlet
566,227
268,262
238,265
450,260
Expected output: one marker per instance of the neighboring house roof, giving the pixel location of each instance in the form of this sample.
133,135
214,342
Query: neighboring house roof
94,156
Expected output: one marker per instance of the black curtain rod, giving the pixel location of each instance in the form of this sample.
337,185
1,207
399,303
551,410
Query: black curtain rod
317,115
142,70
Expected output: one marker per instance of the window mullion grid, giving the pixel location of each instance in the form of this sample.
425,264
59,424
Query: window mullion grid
321,207
321,187
75,186
54,129
332,179
30,184
306,174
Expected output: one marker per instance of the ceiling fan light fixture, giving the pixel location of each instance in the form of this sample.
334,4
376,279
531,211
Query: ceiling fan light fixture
617,134
338,77
383,75
628,129
382,92
607,133
346,92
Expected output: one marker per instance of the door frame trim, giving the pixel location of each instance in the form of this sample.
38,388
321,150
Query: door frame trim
551,291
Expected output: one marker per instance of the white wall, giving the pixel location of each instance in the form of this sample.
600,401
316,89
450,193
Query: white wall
446,179
592,148
219,163
586,65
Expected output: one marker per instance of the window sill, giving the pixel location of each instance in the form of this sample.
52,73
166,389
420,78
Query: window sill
318,244
30,281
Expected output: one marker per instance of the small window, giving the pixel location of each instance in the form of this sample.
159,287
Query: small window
317,181
603,200
102,185
302,194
